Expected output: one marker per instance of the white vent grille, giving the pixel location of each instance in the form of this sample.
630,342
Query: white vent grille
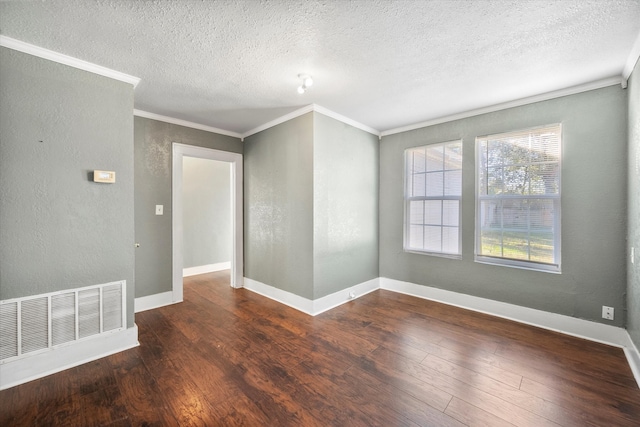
8,330
63,318
113,316
89,312
37,323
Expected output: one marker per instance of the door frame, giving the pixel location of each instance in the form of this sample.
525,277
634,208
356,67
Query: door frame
237,254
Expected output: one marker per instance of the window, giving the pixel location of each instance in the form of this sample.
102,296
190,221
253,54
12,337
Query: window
433,189
518,198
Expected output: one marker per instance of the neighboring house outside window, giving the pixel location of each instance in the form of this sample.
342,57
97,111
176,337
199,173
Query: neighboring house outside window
433,192
518,198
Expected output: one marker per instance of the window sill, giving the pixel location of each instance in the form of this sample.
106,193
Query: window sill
542,268
435,254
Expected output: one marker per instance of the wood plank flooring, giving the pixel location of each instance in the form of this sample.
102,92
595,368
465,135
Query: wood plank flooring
227,357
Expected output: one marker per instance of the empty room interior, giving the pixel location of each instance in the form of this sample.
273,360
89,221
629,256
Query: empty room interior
338,212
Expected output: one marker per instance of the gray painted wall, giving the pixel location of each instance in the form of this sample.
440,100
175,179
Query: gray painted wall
311,203
594,189
206,216
152,157
58,229
633,270
345,210
278,206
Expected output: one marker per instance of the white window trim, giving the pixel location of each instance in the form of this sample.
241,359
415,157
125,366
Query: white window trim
406,222
556,267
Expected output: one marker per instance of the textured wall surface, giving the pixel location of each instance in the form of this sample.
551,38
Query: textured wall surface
152,147
633,239
594,189
278,206
58,229
345,206
206,216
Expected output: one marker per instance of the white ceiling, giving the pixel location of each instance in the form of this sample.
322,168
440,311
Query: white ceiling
233,65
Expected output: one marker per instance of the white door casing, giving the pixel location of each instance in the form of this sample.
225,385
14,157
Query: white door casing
237,261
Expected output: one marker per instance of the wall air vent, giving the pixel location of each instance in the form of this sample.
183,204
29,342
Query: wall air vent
38,323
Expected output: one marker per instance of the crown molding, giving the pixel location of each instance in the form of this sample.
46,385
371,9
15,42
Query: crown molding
282,119
307,109
346,120
292,115
634,54
185,123
60,58
598,84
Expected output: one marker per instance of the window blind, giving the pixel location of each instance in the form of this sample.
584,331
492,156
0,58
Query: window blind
433,191
518,198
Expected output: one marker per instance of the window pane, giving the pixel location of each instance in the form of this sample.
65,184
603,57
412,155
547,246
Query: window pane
516,180
433,212
416,213
490,214
494,153
416,240
515,214
435,181
491,242
545,178
453,183
435,158
450,240
542,247
418,188
545,146
494,181
433,239
419,161
453,156
515,245
541,212
450,212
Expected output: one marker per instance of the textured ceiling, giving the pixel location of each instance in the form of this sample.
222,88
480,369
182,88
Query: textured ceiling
386,64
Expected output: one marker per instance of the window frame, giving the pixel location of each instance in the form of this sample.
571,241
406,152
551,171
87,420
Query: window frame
556,266
407,182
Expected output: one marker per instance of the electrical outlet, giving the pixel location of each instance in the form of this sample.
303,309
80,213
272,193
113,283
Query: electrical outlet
159,209
607,312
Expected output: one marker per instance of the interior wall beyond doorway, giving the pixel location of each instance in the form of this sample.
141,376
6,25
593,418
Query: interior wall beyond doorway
206,198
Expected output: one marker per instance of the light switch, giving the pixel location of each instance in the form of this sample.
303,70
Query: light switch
159,209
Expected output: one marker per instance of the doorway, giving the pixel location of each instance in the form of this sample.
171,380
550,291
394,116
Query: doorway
235,162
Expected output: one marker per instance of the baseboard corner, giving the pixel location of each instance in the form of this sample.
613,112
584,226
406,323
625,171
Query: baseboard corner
633,357
150,302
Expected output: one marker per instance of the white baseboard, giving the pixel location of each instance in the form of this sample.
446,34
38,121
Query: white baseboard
311,307
580,328
209,268
287,298
633,357
63,357
338,298
153,301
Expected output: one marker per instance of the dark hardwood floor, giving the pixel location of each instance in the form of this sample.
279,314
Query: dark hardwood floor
230,357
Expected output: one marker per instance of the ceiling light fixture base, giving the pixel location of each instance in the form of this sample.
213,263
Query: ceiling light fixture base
307,81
